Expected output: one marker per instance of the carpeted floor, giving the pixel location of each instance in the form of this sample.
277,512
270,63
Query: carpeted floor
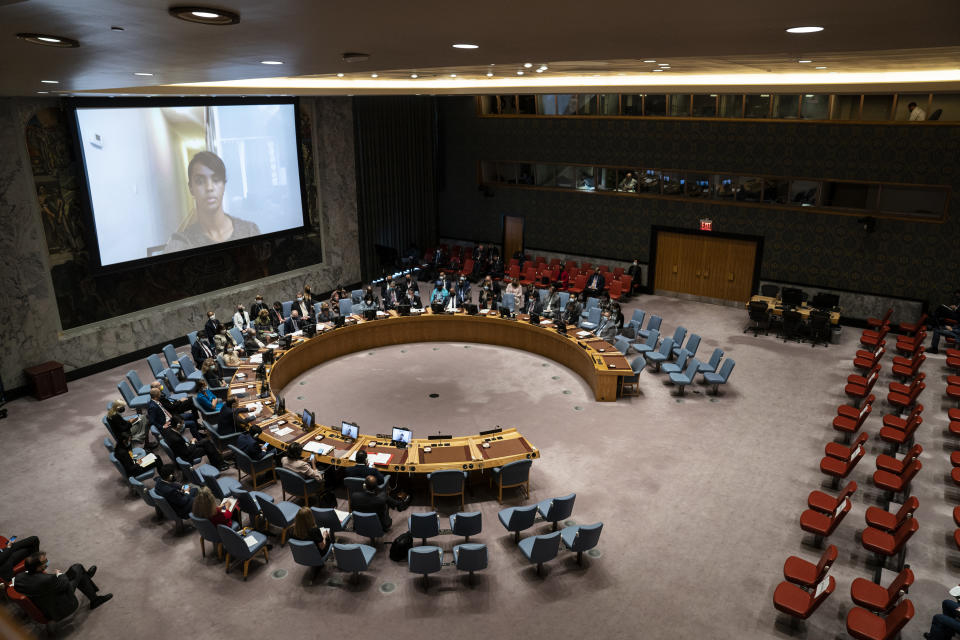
700,499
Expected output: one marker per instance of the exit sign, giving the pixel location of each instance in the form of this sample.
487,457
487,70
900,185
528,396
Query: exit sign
706,224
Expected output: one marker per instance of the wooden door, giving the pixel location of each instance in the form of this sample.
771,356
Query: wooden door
704,265
678,266
512,237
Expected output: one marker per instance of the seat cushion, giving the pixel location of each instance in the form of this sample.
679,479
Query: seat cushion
877,541
791,599
864,625
815,522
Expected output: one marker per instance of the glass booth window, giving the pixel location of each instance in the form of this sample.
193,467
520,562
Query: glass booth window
757,106
606,179
527,105
649,182
587,104
903,105
547,105
525,174
850,195
680,104
776,191
705,106
698,185
724,187
786,106
628,180
924,202
585,179
507,172
731,106
749,189
566,104
876,107
672,183
609,104
488,105
488,171
546,175
631,104
566,177
846,108
654,105
815,106
508,105
804,193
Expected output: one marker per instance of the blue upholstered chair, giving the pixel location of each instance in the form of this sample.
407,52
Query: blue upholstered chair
509,301
692,345
356,484
540,549
142,477
133,400
556,509
156,366
650,344
517,519
630,386
254,468
222,487
368,525
281,514
717,379
512,474
305,553
425,560
346,307
714,361
222,442
137,384
287,307
652,325
447,483
296,485
237,546
191,338
356,296
592,302
466,524
470,557
661,355
638,316
328,518
141,490
564,299
424,525
171,382
166,509
189,371
622,344
593,319
249,503
353,557
679,365
580,538
679,334
171,356
237,336
208,532
685,378
226,371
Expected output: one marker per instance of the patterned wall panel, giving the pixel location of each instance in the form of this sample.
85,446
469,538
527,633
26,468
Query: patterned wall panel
904,259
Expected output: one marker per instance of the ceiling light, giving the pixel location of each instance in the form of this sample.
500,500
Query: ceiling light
142,73
519,73
489,74
663,64
527,64
821,67
339,75
413,75
804,29
466,46
43,92
374,75
540,70
544,67
205,15
808,95
453,75
50,81
49,40
271,62
804,61
656,70
649,61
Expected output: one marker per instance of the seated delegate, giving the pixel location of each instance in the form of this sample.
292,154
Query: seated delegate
54,592
16,551
180,497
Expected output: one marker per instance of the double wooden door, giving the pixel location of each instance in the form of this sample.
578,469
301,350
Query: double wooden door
704,265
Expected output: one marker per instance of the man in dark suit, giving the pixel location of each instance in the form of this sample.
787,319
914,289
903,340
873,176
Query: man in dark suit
213,325
196,448
200,350
596,283
293,323
248,443
258,306
302,308
361,470
533,304
181,501
54,593
14,552
230,420
183,407
371,499
390,294
160,416
607,327
276,316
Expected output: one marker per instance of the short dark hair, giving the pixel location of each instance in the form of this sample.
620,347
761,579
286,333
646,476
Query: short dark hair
167,471
254,430
294,450
912,104
361,457
34,561
211,161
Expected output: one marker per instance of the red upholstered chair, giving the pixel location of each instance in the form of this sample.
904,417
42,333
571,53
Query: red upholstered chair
953,362
953,391
895,421
626,284
910,346
873,323
586,266
845,452
836,466
897,482
794,601
806,574
896,437
864,360
891,464
27,606
908,369
513,272
618,271
555,262
514,262
870,339
467,267
910,328
859,387
955,458
872,596
571,266
820,524
899,387
529,276
604,269
880,519
615,289
866,626
579,284
887,544
905,401
825,503
847,424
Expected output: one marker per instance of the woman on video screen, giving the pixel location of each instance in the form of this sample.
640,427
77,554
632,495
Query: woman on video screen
207,179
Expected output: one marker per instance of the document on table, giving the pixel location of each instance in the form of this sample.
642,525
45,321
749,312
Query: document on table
256,359
273,345
241,376
255,408
583,334
282,432
297,333
379,458
318,447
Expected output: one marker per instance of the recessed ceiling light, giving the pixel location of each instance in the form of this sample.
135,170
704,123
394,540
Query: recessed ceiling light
50,81
339,75
808,95
413,75
527,64
519,73
48,40
804,61
489,74
466,46
821,67
656,70
544,67
142,73
663,64
453,75
271,62
540,70
374,75
43,92
205,15
804,29
649,61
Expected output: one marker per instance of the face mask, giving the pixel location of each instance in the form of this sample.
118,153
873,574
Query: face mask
213,317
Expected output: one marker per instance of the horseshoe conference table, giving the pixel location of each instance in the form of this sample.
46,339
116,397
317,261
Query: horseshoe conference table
599,363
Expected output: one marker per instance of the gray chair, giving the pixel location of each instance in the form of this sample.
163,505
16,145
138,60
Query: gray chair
353,557
466,524
512,474
237,547
254,468
137,384
517,519
306,554
166,509
711,365
237,336
717,379
650,344
630,385
591,303
564,299
196,473
425,560
678,366
470,557
652,325
133,400
141,489
142,477
328,518
556,509
508,301
171,382
638,316
222,487
191,338
356,484
356,296
286,307
226,371
222,442
447,483
691,347
679,334
580,538
685,378
346,307
249,503
280,515
661,355
171,356
622,344
156,366
296,485
540,549
424,525
189,371
368,525
593,319
208,533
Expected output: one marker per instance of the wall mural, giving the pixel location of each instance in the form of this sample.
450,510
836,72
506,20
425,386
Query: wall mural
85,296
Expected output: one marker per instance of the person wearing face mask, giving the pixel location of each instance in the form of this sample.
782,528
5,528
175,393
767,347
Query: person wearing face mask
302,308
390,295
258,306
213,326
276,316
370,299
410,283
571,314
326,315
293,323
241,319
439,294
463,292
551,305
517,291
532,304
606,328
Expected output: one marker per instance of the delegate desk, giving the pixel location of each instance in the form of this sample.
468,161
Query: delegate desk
776,309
